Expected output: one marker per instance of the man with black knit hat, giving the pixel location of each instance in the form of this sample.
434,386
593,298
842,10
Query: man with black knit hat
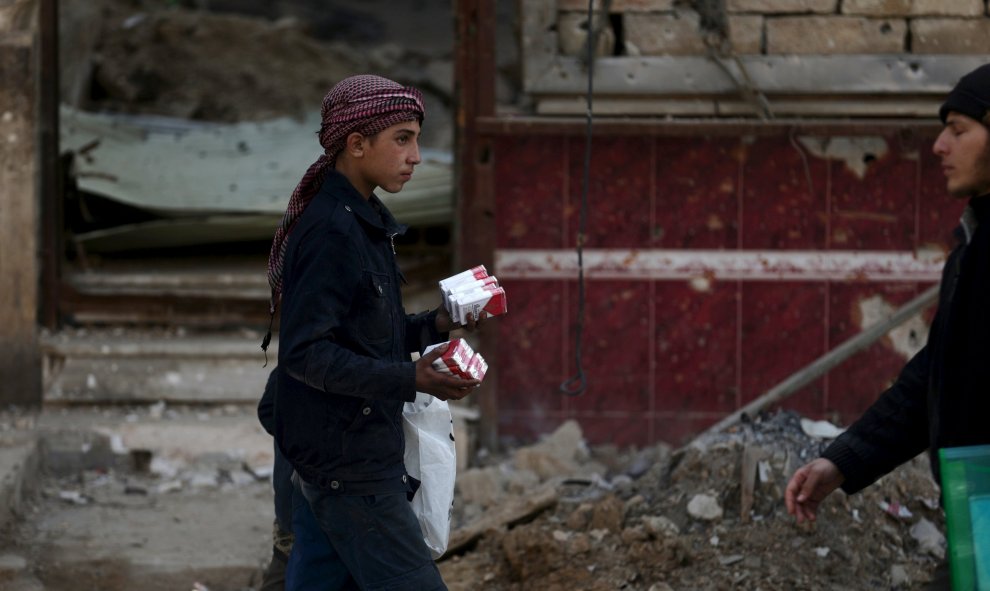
941,398
345,344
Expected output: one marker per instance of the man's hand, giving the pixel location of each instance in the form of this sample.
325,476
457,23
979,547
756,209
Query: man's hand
446,324
440,385
809,486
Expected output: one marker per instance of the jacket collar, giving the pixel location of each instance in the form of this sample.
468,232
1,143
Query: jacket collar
372,212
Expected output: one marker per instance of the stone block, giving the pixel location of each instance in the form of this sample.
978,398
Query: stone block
783,6
820,35
675,33
950,35
746,34
572,33
913,7
619,5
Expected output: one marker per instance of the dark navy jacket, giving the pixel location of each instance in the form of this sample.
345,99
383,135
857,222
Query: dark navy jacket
344,345
939,399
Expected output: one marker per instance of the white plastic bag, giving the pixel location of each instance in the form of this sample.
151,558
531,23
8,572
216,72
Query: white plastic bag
432,459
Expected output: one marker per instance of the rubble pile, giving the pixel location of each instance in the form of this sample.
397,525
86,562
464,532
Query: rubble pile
708,516
155,58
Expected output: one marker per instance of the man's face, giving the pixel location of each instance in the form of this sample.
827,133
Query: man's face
964,147
390,156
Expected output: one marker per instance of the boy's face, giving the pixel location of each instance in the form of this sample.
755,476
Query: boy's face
964,147
390,156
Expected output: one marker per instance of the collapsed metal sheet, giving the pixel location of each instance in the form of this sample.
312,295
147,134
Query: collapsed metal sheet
233,178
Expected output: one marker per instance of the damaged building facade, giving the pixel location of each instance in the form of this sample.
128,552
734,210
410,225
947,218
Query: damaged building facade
762,189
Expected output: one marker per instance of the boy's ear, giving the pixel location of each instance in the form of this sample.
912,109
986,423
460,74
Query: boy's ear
354,145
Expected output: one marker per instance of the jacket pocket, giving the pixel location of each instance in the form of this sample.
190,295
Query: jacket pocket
370,441
374,317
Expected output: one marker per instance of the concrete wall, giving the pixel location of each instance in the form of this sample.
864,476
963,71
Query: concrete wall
772,58
788,27
20,367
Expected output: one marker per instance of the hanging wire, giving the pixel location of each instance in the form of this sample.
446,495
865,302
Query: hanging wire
578,383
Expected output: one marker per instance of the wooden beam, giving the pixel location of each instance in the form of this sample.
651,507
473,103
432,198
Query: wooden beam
20,364
474,84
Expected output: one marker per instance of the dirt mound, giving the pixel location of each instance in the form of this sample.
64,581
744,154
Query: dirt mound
691,520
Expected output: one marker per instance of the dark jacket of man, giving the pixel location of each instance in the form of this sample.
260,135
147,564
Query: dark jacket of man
942,396
344,346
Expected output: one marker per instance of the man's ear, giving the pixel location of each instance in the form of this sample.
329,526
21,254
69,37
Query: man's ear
354,145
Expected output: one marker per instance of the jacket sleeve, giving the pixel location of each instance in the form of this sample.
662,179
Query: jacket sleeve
892,431
325,277
421,331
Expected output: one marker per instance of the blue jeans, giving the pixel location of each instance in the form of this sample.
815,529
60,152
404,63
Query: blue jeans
370,542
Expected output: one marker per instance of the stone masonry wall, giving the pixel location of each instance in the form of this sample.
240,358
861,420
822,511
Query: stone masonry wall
787,27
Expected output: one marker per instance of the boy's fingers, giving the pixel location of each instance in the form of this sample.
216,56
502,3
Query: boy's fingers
435,353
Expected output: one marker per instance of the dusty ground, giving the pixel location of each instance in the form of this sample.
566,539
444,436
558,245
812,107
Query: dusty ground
197,510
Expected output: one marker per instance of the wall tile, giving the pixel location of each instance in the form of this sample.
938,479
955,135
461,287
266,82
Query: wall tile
531,176
696,350
873,198
784,195
530,346
618,194
857,382
697,193
783,330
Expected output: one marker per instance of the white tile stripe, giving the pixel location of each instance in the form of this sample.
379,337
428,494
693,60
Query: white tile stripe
763,265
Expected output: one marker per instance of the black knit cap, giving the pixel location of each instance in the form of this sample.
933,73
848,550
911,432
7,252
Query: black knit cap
971,96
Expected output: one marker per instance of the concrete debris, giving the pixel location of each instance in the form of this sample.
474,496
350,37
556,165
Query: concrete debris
704,507
820,429
73,496
899,576
930,539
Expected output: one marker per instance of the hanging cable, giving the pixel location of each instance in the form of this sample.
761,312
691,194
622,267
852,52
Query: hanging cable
578,383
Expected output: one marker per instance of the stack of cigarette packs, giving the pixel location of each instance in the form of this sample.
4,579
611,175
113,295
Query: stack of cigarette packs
472,292
459,360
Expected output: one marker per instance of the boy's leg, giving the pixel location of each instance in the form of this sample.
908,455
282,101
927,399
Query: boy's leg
273,578
314,564
379,539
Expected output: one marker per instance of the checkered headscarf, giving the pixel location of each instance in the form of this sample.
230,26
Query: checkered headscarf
364,104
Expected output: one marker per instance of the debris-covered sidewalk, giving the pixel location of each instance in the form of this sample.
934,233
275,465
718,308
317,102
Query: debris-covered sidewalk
168,498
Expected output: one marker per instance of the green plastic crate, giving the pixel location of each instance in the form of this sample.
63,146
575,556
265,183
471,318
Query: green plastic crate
966,493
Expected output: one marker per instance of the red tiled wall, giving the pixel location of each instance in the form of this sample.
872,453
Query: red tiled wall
663,359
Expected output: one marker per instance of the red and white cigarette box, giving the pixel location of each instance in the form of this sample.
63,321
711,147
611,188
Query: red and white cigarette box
472,292
471,274
477,367
459,360
491,301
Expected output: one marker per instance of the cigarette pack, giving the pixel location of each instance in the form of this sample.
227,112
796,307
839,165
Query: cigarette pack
471,274
492,301
472,292
459,360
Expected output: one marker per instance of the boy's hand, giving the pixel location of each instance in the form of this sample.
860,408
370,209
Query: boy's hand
446,324
437,384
